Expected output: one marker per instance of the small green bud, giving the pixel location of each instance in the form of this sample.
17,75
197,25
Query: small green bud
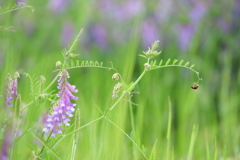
147,66
58,64
115,76
16,75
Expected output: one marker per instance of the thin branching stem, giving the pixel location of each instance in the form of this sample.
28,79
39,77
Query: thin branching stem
179,66
127,137
43,145
53,81
128,90
76,130
20,6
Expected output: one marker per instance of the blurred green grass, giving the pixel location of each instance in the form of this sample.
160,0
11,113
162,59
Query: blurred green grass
37,44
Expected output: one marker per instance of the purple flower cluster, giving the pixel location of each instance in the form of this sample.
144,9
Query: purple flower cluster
62,113
6,144
11,89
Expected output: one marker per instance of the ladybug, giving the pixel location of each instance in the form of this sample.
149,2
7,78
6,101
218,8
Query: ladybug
195,86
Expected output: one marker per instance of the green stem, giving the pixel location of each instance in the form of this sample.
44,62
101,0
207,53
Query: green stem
44,146
23,6
84,126
53,81
76,130
179,66
127,137
128,90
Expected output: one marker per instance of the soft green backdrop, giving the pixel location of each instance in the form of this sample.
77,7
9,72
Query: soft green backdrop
213,47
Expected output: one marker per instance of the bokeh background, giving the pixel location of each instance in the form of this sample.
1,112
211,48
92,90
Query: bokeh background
204,32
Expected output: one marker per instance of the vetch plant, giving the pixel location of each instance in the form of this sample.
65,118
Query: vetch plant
64,110
59,125
10,8
11,89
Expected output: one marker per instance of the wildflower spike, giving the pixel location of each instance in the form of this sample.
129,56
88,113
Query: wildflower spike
11,92
64,108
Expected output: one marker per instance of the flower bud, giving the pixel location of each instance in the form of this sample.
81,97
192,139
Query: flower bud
115,76
147,66
16,75
116,90
58,64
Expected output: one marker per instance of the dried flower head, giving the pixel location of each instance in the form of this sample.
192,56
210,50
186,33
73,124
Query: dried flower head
63,111
11,91
115,76
147,66
58,64
116,90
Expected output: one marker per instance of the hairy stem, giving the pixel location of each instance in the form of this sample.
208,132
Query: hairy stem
128,90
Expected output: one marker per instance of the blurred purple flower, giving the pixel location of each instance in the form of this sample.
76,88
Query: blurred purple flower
6,144
235,26
108,6
186,31
20,1
67,34
121,11
197,12
165,10
150,32
97,33
132,8
11,89
62,113
184,36
57,6
223,25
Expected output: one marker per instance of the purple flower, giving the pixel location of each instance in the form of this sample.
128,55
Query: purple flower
67,34
97,34
58,6
11,89
185,35
197,13
150,32
6,144
62,113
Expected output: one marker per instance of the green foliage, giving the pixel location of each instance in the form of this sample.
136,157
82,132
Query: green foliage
168,64
84,64
36,90
138,143
10,8
213,107
152,52
75,41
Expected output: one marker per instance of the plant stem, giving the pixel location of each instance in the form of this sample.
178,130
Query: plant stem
93,121
44,146
43,90
128,90
127,137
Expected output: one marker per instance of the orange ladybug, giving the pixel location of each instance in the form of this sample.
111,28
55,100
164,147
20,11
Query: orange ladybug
195,86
